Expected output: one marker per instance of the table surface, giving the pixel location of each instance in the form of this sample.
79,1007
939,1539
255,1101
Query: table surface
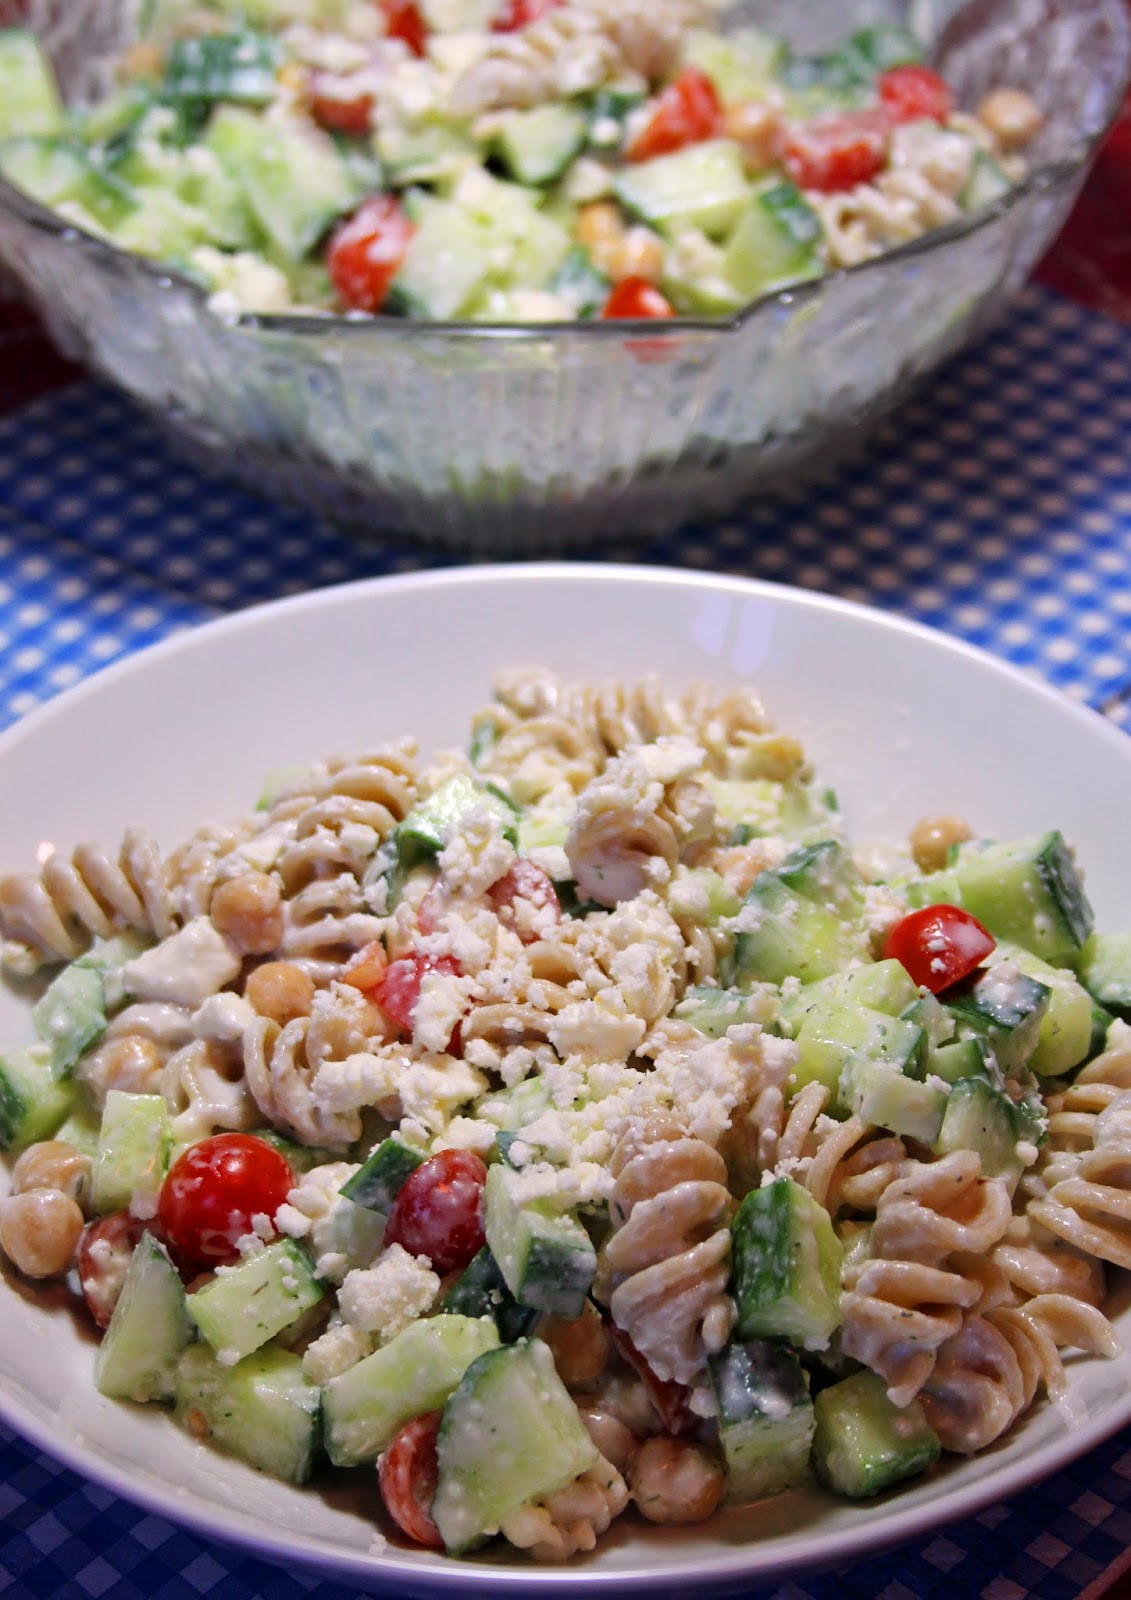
995,505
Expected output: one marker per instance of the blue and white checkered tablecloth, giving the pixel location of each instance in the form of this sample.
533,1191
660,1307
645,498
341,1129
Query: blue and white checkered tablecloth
996,506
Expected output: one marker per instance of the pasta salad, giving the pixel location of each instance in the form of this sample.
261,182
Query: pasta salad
503,160
577,1127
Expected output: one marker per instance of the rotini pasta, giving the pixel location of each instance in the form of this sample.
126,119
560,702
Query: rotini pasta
550,1109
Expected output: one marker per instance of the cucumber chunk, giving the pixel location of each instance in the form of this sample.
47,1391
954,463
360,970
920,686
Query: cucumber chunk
261,1410
1030,892
783,934
766,1418
786,1266
1004,1006
378,1181
415,1372
245,1306
70,1015
713,1011
150,1327
510,1434
1105,969
295,181
55,171
831,1036
1064,1038
863,1443
481,1291
986,183
776,241
30,102
32,1100
826,873
239,67
703,186
537,146
742,65
133,1150
426,829
884,1096
546,1258
578,282
965,1058
884,986
981,1118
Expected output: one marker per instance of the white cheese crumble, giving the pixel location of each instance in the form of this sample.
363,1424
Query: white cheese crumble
384,1298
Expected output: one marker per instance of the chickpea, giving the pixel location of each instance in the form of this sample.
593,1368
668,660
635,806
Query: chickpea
132,1062
640,254
1012,116
753,126
53,1164
280,990
740,864
39,1230
248,910
673,1480
579,1345
931,838
600,229
615,1442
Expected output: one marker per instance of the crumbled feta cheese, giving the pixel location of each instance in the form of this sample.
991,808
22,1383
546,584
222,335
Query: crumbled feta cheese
384,1298
185,968
341,1347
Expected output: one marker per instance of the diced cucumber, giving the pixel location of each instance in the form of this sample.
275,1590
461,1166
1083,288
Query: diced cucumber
415,1372
427,827
981,1118
928,1013
831,1035
70,1015
826,873
712,1011
301,1158
425,152
295,181
766,1418
965,1058
776,241
79,1127
238,67
608,109
742,65
240,1309
261,1410
29,96
863,1443
537,146
546,1257
786,1265
882,1095
1064,1039
33,1102
702,186
1003,1005
986,183
579,283
885,986
55,171
133,1150
1030,892
790,937
881,47
149,1329
510,1434
481,1291
513,1108
378,1181
1104,966
161,226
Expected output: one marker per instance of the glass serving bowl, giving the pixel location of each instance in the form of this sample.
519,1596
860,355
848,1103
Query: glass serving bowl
526,440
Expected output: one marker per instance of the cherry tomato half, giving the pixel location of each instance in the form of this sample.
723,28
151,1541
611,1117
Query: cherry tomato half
365,253
836,152
403,21
103,1254
399,990
212,1193
523,897
438,1212
407,1473
912,93
517,14
686,112
338,106
633,298
938,945
672,1400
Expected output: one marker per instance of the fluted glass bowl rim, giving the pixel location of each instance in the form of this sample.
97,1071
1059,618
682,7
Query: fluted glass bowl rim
360,329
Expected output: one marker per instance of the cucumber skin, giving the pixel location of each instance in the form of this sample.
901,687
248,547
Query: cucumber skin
863,1443
777,1293
149,1330
260,1410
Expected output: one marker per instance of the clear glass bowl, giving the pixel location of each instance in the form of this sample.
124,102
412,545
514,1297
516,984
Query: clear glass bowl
534,440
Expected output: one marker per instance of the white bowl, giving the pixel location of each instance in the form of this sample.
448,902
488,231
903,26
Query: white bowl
901,721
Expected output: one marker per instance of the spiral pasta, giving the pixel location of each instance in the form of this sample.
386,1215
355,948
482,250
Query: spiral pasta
569,1519
665,1267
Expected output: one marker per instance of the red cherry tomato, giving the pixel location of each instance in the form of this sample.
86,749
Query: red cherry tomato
938,945
399,990
686,112
403,21
836,152
912,93
636,297
517,14
438,1212
104,1252
524,889
407,1473
672,1400
337,107
213,1191
366,251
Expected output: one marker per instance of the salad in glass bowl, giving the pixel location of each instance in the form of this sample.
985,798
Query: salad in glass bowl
504,161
